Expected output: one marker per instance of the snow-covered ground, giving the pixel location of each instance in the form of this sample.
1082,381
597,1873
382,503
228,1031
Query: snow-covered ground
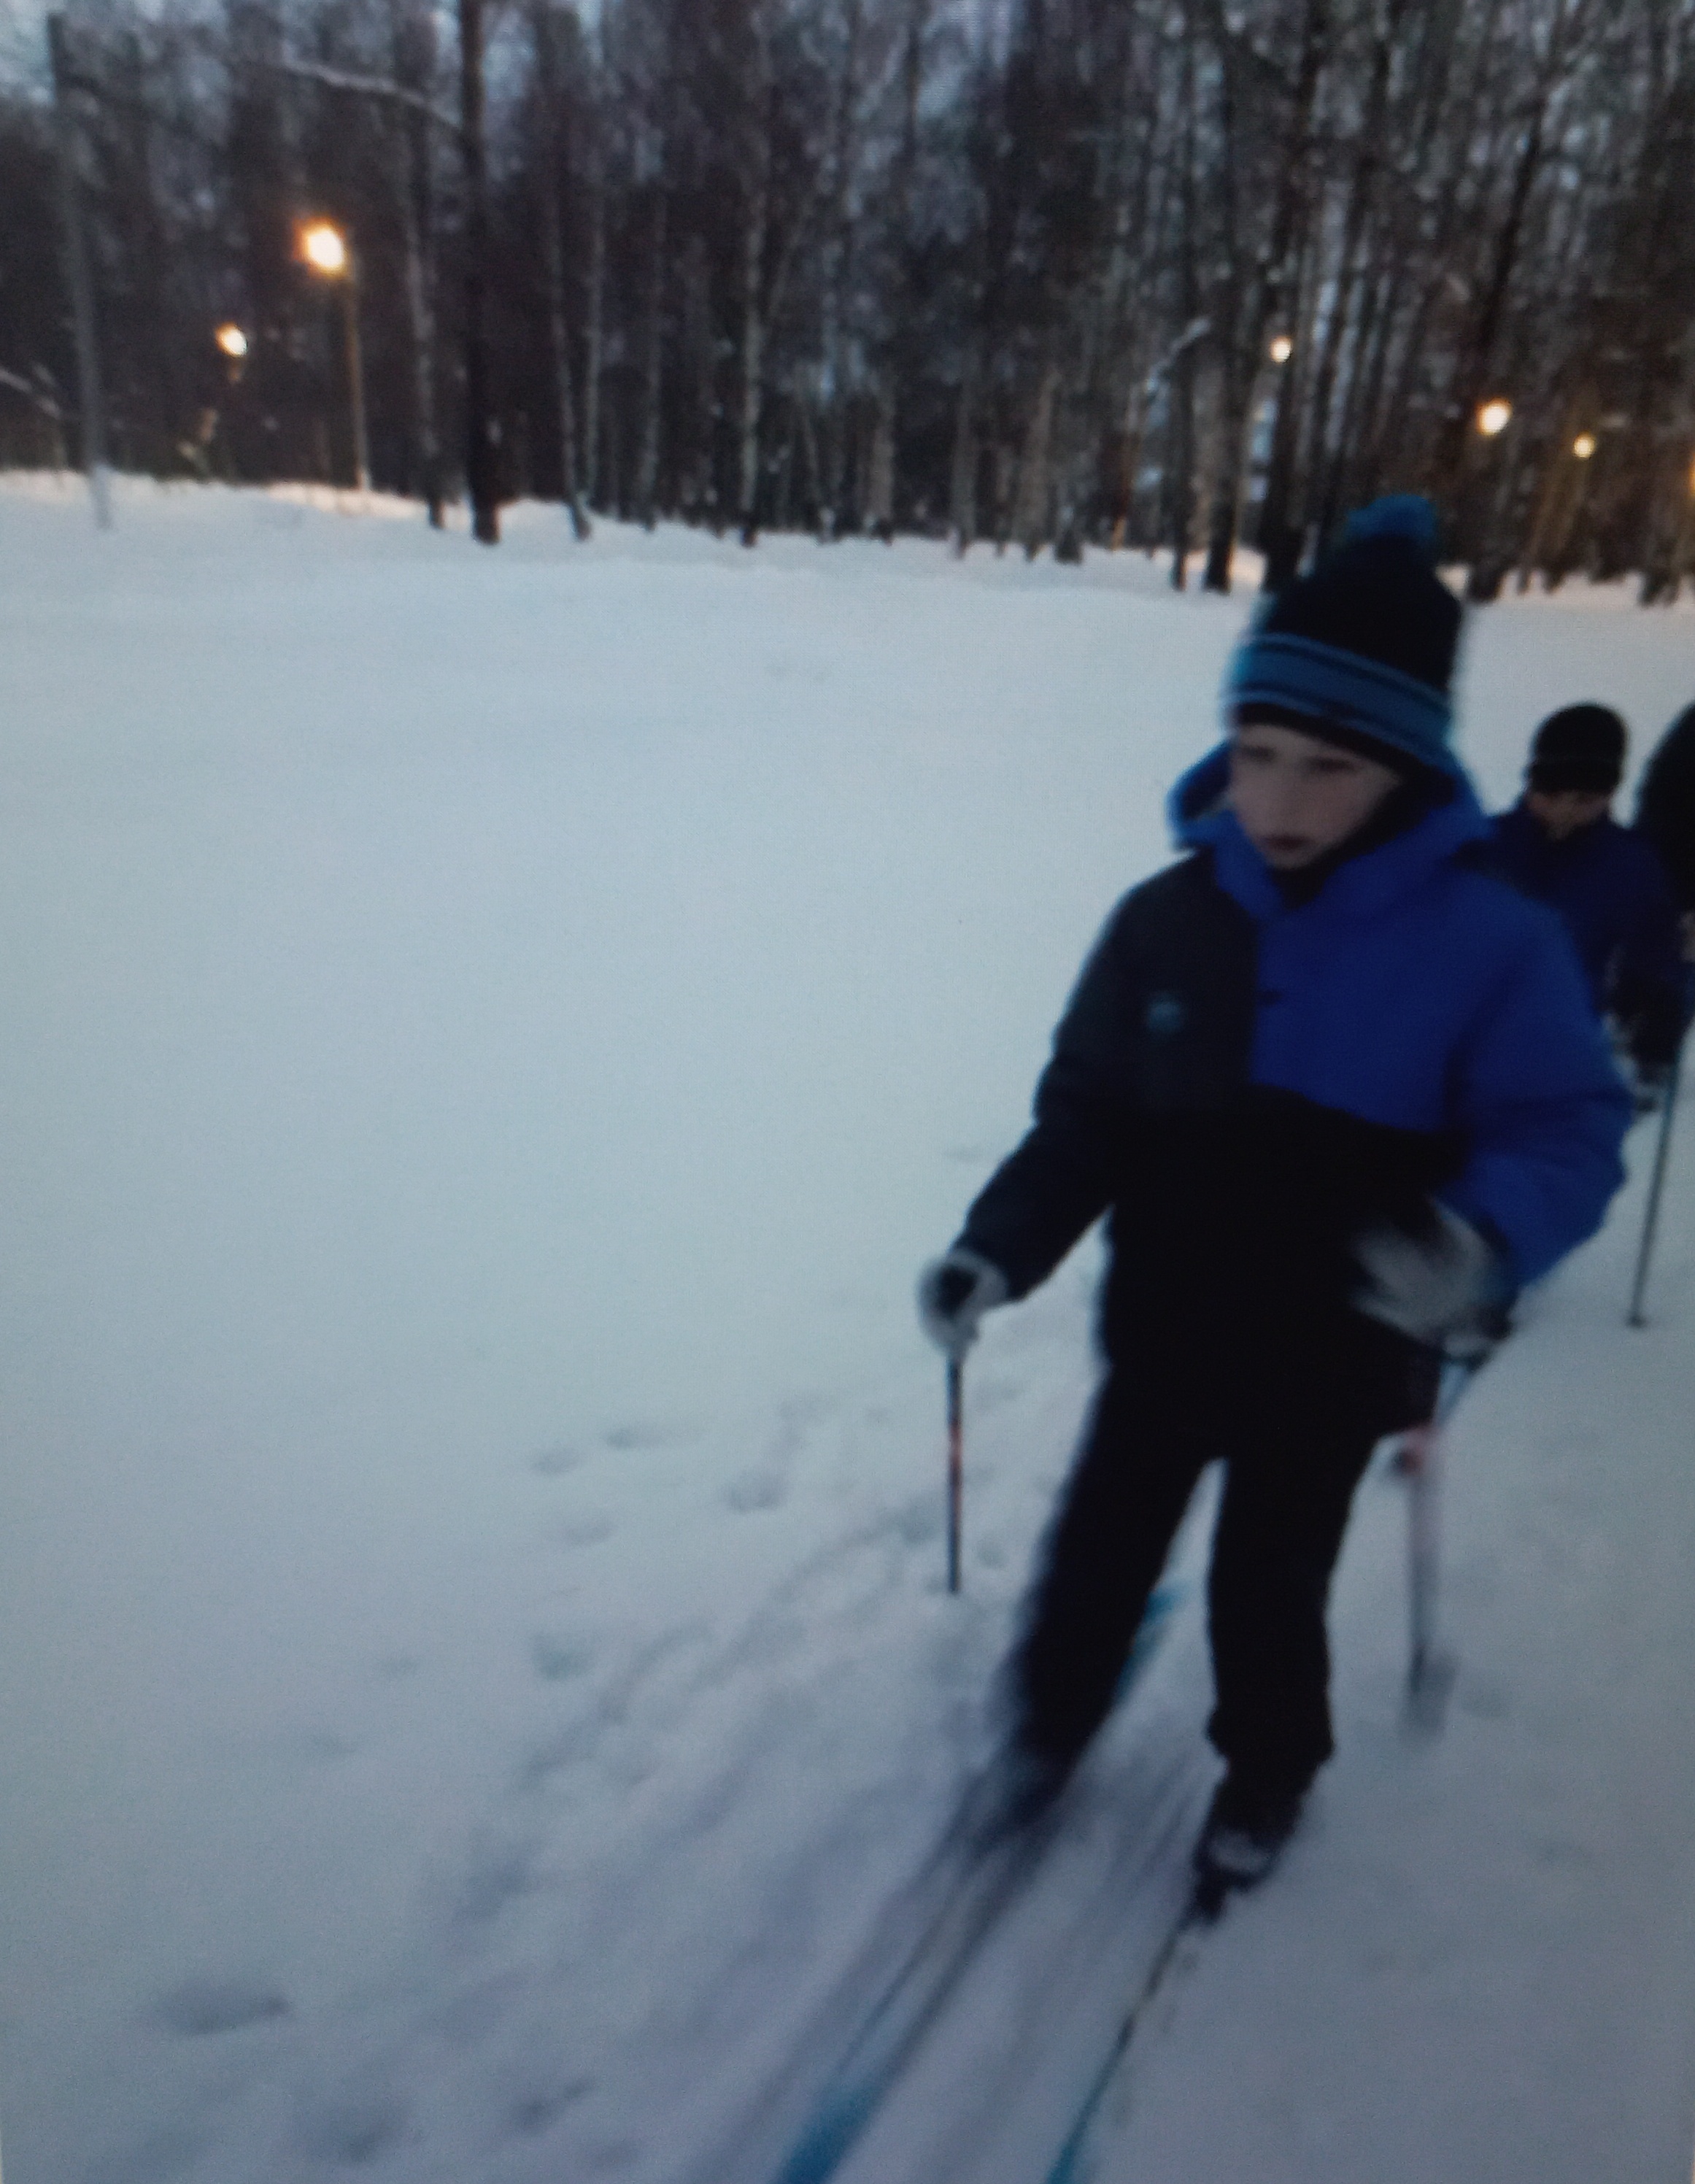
488,1039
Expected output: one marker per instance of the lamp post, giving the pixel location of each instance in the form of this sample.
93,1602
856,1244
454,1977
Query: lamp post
326,249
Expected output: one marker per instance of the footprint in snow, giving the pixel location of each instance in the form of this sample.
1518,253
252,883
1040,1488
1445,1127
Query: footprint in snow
557,1659
586,1530
763,1488
203,2005
355,2127
494,1879
764,1484
638,1433
919,1521
533,2113
555,1462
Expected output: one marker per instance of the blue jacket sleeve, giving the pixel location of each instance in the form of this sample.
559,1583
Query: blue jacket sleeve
1539,1106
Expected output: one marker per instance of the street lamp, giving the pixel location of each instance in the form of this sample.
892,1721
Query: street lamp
1494,417
326,249
233,343
1583,446
1282,349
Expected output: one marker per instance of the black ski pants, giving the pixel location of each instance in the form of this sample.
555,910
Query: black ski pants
1288,1486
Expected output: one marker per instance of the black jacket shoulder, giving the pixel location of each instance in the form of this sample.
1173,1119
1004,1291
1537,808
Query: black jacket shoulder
1165,1004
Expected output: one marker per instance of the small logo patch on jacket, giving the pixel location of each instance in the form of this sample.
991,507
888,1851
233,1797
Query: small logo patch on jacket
1166,1015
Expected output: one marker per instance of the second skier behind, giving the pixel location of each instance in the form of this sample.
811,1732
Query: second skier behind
1560,843
1341,1093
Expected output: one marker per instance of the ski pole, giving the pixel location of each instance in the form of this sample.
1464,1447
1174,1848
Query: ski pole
956,1467
1429,1672
1651,1218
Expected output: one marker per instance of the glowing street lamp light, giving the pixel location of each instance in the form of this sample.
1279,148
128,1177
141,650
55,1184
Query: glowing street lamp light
323,248
1494,417
1282,349
326,249
1583,446
234,344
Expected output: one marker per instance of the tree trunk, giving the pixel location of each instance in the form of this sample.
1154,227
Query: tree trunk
880,492
1030,524
1180,506
756,222
553,264
1477,358
1273,284
1281,539
844,229
963,477
879,484
653,360
482,429
1237,372
594,332
1349,271
92,406
413,54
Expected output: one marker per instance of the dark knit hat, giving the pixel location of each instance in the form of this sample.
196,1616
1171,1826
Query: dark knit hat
1364,648
1580,746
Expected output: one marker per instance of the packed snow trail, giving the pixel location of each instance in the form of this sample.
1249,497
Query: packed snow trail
924,1953
988,2096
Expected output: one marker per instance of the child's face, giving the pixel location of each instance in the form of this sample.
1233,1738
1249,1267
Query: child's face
1296,797
1561,812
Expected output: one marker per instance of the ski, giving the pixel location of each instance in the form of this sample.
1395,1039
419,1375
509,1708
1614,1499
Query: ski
1203,1908
905,2009
900,1988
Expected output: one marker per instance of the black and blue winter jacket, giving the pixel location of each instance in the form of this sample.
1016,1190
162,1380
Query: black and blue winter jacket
1613,894
1245,1080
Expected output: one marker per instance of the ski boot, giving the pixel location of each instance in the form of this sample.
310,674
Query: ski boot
1247,1826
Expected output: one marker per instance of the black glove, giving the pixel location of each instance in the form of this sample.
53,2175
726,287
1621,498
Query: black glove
954,1292
1447,1288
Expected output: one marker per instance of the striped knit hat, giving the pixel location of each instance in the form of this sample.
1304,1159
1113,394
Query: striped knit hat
1361,651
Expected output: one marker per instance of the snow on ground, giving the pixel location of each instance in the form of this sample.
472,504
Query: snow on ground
489,1040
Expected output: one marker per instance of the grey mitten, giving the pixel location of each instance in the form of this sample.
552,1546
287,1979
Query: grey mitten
1447,1288
954,1292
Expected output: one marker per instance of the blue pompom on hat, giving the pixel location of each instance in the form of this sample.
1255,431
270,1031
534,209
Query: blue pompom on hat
1364,648
1397,515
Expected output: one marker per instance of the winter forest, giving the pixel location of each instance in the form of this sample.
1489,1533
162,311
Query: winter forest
1043,273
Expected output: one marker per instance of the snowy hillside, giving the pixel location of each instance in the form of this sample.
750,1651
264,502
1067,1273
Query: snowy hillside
489,1040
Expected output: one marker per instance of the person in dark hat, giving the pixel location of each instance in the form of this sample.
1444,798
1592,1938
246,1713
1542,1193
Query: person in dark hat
1340,1093
1665,814
1561,844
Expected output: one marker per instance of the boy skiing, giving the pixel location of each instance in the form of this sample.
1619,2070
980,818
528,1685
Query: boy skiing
1341,1093
1560,843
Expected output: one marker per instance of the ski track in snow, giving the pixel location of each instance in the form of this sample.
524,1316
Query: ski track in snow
474,1574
